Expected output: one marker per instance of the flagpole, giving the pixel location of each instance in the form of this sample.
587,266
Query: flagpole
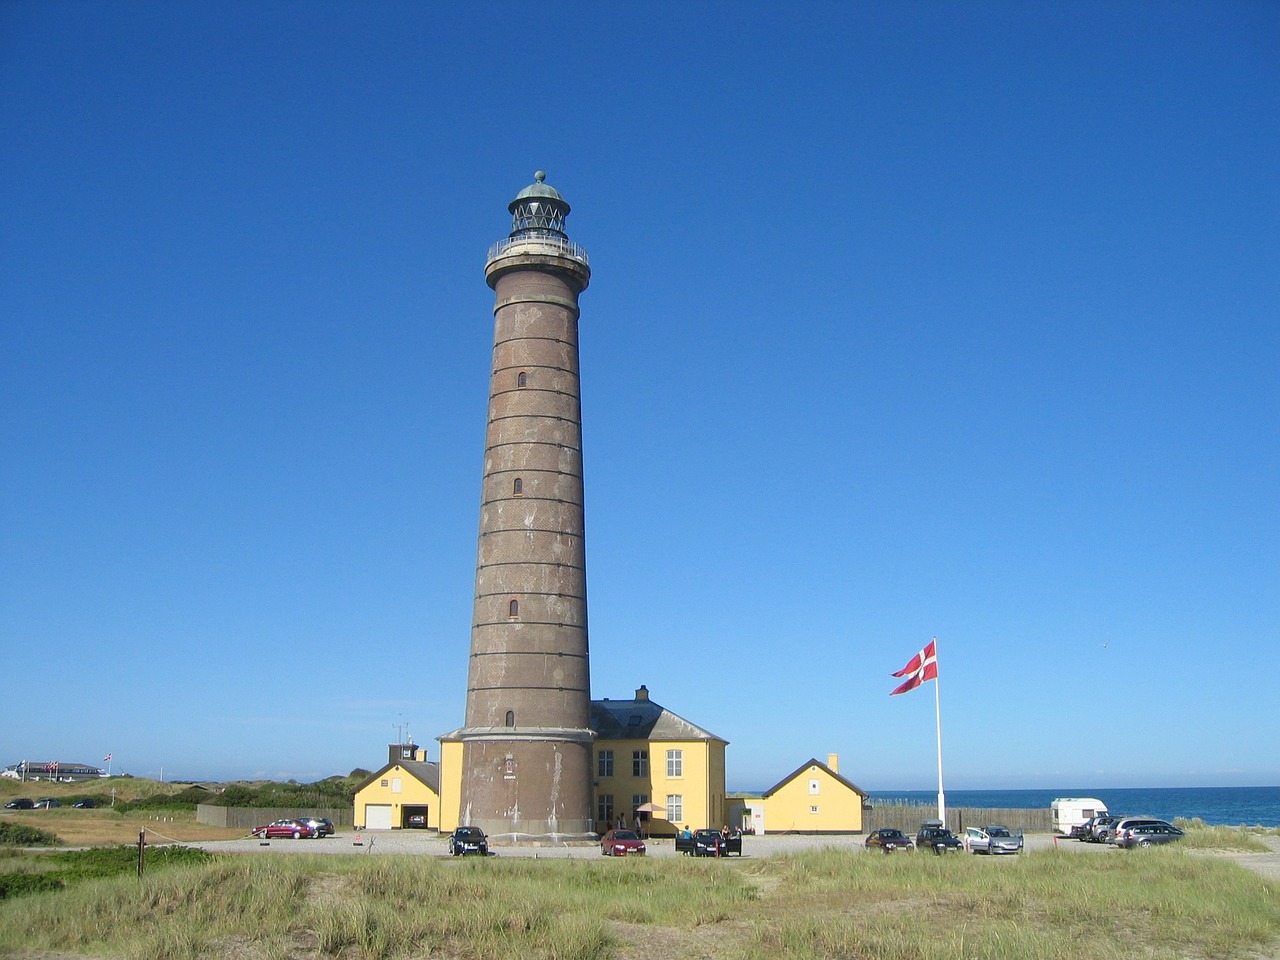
937,713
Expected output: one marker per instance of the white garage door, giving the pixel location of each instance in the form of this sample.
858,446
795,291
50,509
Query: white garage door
377,816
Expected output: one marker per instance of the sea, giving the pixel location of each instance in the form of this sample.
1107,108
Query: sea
1216,806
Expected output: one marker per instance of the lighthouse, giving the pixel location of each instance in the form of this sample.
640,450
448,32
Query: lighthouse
526,740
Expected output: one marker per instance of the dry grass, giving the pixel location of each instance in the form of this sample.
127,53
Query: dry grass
826,905
104,828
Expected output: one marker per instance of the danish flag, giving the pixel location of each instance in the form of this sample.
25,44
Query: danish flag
923,666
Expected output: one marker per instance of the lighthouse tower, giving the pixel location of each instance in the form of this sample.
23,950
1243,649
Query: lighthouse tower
526,742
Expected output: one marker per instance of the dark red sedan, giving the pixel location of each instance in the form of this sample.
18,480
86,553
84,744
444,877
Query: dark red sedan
621,843
285,828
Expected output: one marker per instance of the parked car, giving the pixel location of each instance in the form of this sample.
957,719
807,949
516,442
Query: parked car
416,821
1113,831
284,828
468,840
1147,834
993,839
1082,831
47,803
20,803
888,839
710,843
934,836
321,825
1098,828
88,803
621,843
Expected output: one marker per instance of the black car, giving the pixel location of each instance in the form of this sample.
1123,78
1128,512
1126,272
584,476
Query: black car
468,840
47,803
934,836
21,803
887,839
88,803
322,826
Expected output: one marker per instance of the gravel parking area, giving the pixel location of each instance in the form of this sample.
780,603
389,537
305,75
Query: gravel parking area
425,843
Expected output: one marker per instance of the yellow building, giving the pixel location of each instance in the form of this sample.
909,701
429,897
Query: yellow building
649,764
406,789
813,798
654,766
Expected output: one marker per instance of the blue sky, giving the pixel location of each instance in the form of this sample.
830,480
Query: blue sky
906,320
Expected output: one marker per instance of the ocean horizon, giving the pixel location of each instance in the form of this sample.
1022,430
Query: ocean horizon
1217,806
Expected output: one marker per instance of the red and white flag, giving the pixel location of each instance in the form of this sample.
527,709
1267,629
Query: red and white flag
923,666
107,758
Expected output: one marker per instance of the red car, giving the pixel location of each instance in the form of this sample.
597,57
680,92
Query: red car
621,843
285,828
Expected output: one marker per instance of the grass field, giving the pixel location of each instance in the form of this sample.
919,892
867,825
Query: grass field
823,905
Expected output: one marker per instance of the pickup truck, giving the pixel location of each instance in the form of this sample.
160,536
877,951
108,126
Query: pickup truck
709,843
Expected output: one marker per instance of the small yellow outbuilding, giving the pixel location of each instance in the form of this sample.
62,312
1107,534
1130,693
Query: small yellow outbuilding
813,798
404,793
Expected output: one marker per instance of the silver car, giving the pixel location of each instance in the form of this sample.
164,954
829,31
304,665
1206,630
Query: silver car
1147,834
992,839
1114,831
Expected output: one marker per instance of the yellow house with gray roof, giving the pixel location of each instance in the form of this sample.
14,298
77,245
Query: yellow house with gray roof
404,793
813,798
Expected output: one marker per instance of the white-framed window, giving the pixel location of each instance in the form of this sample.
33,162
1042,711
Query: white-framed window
813,809
675,807
604,810
604,763
675,763
815,787
639,763
395,784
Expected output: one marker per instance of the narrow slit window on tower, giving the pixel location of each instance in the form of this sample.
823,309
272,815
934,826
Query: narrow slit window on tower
517,487
511,718
513,609
522,379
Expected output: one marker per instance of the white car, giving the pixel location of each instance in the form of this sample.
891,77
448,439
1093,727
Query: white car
993,839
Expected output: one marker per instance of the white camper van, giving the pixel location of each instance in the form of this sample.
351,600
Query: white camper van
1070,812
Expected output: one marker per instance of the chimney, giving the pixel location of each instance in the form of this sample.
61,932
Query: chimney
642,693
833,761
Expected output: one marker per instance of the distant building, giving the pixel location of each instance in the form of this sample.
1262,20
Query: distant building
53,770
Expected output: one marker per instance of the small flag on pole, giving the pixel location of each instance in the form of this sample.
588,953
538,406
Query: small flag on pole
923,666
107,758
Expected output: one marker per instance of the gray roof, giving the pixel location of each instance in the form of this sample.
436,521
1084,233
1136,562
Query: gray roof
814,762
643,720
427,771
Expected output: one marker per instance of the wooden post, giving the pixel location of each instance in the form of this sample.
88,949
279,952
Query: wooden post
142,846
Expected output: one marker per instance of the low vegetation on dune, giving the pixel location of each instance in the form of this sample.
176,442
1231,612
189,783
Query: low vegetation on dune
819,905
1199,836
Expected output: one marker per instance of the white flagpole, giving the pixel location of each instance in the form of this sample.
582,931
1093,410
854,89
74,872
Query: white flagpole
937,712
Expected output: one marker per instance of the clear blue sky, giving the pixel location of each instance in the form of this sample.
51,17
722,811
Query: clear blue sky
906,319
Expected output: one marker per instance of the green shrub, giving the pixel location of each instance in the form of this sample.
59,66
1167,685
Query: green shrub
18,835
15,884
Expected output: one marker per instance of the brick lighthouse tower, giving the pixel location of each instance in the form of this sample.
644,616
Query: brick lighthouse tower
526,742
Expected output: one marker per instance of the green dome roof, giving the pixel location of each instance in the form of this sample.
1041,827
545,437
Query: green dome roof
539,190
